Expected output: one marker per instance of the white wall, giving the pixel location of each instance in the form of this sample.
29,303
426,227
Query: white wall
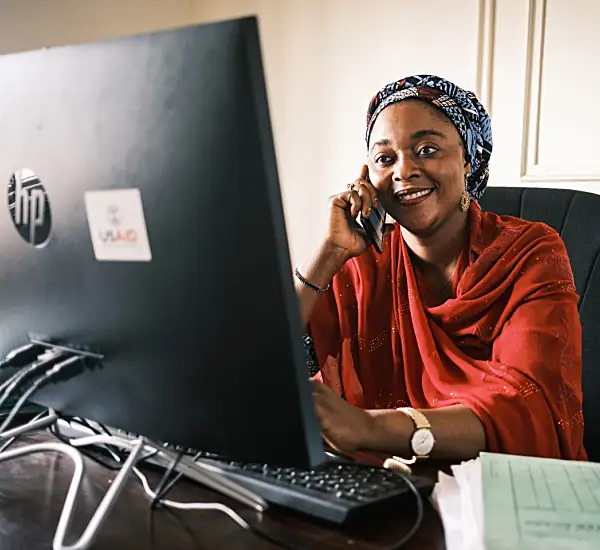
324,60
28,24
545,93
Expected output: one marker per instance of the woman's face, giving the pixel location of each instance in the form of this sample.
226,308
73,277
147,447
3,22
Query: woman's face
417,164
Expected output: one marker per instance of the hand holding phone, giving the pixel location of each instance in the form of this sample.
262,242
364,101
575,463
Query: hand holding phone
350,233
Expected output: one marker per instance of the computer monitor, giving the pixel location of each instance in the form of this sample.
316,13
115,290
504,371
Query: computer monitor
142,218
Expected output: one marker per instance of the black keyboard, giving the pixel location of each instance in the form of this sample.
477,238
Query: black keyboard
335,492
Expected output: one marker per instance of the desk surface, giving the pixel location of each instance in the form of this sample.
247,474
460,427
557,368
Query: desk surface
32,491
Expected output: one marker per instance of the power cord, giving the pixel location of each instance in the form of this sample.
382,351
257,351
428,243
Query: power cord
155,496
114,463
103,509
397,545
12,439
86,424
47,376
164,485
214,506
160,494
23,356
100,455
418,520
124,444
42,363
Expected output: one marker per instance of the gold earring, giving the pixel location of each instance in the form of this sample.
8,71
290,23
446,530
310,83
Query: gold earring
465,199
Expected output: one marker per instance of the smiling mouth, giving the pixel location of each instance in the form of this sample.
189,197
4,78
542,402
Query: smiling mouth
407,196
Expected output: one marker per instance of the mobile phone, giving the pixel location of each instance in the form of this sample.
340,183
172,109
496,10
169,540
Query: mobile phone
374,224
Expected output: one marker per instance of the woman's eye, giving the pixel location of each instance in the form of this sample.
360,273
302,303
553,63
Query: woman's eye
427,151
383,159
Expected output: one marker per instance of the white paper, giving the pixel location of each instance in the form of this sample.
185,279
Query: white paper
458,499
446,499
468,477
524,503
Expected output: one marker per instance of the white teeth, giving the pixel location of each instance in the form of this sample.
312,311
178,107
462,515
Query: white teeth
416,195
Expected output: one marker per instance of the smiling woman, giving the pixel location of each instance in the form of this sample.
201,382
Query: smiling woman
463,335
418,166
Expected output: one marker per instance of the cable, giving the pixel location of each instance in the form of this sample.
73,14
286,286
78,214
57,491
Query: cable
175,479
124,444
394,546
419,519
95,456
24,356
118,442
36,385
9,386
163,486
31,425
75,456
101,513
214,506
98,456
86,424
21,357
8,443
118,458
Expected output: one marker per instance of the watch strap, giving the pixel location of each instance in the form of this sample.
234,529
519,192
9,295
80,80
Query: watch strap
418,417
421,423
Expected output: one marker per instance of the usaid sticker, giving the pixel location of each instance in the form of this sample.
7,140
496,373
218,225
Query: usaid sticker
117,225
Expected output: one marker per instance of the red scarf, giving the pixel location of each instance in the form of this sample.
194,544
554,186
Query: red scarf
508,345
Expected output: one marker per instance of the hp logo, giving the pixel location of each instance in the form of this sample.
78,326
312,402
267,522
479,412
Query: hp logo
29,207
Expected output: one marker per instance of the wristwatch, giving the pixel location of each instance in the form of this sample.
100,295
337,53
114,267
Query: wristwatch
421,440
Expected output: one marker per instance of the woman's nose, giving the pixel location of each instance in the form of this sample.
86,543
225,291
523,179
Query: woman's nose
406,168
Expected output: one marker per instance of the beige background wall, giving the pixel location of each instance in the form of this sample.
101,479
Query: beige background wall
26,24
324,60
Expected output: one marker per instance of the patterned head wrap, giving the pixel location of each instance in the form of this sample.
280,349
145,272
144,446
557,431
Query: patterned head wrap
460,106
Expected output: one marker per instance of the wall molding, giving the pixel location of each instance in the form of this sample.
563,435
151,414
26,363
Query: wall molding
485,52
531,169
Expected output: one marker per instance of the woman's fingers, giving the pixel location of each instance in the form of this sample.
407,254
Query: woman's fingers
354,200
367,201
365,180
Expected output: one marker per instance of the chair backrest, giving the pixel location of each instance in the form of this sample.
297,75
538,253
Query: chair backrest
576,216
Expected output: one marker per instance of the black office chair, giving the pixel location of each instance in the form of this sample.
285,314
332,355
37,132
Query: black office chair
576,216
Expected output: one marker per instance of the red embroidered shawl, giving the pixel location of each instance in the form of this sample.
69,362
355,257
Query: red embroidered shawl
508,346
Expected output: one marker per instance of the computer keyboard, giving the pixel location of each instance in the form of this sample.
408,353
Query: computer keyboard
335,492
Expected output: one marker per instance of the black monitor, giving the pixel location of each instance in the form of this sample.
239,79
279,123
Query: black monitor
142,220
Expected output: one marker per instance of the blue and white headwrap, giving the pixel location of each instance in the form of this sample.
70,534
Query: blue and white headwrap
461,107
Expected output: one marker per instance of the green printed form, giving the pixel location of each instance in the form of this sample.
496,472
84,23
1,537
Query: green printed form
540,504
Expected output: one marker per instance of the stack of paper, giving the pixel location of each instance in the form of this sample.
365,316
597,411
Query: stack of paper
459,501
504,502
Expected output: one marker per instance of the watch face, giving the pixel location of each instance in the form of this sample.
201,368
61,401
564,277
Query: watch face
422,442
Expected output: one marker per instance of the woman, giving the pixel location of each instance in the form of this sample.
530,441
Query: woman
463,335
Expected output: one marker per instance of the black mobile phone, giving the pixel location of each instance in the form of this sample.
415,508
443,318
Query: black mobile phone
374,224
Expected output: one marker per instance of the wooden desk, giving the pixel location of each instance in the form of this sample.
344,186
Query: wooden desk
33,488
